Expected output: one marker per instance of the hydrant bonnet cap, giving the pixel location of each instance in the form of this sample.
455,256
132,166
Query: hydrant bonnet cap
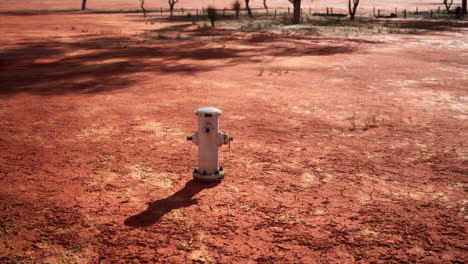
208,110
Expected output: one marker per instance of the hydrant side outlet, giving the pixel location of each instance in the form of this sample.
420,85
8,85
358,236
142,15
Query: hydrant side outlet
209,138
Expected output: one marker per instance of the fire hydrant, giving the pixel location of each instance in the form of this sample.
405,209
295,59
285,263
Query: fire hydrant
209,138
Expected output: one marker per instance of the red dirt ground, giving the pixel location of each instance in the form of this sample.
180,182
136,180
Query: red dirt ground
350,146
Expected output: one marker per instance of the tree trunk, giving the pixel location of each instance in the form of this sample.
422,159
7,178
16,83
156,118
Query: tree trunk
448,4
143,8
171,7
249,11
350,11
297,12
265,5
464,7
352,8
83,5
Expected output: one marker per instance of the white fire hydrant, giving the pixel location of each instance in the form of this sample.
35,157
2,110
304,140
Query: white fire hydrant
208,138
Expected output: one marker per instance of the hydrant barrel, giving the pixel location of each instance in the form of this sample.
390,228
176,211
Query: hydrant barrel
208,138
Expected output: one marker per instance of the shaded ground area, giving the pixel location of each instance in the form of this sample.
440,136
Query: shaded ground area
351,146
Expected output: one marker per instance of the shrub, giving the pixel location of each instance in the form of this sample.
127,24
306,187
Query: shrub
212,15
236,6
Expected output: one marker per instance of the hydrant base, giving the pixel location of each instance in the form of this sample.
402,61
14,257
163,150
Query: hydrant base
208,177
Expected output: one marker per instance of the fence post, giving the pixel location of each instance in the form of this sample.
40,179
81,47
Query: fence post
288,10
327,10
275,13
378,13
374,11
416,10
404,13
331,10
431,13
161,10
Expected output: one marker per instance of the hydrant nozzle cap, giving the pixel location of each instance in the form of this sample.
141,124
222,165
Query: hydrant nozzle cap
208,110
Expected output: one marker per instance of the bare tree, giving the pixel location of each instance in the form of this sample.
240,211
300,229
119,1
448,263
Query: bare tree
297,11
249,11
172,4
352,9
83,5
143,7
448,4
265,5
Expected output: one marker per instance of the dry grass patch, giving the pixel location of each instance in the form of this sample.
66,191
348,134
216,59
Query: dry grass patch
363,197
94,134
370,232
201,253
148,175
159,130
287,218
29,138
309,179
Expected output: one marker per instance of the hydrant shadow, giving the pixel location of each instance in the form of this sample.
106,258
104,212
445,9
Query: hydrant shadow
157,209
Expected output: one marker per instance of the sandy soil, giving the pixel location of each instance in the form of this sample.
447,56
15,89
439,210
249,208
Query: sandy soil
350,146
